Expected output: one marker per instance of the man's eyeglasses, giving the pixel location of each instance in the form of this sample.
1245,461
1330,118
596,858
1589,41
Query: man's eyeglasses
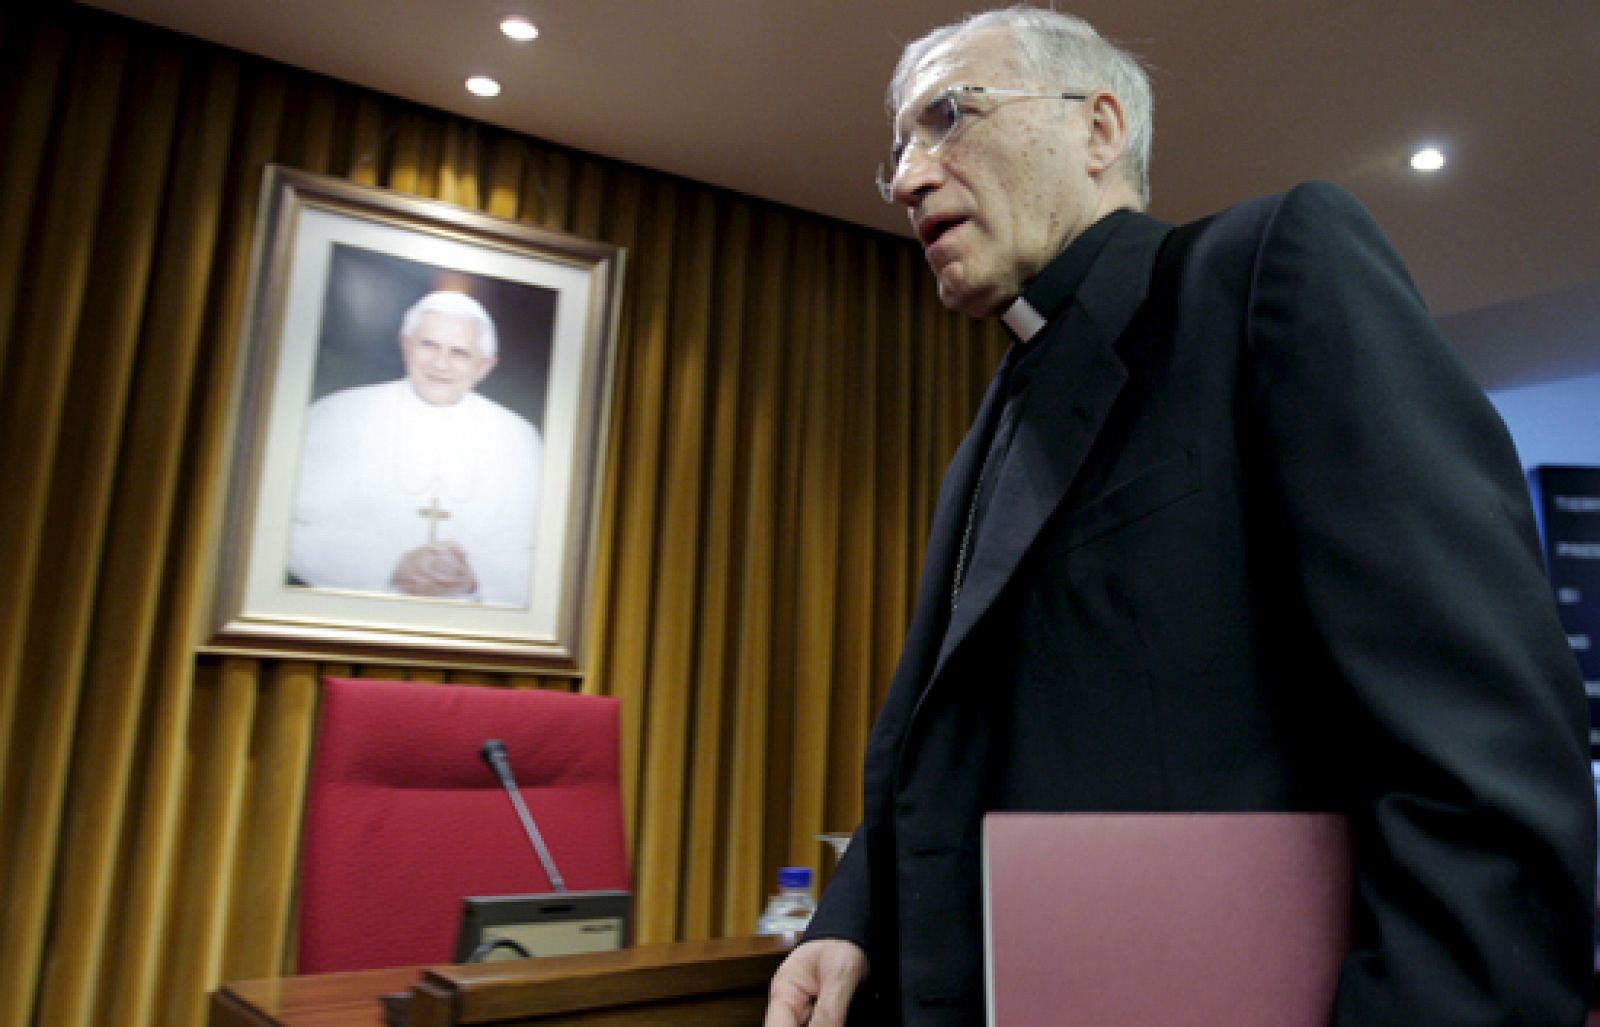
942,117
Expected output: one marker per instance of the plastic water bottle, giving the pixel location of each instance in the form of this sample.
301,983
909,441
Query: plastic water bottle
789,911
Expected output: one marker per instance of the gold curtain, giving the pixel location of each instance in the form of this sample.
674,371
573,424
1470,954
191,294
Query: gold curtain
788,391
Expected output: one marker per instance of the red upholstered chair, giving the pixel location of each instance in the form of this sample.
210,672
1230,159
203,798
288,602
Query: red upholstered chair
403,818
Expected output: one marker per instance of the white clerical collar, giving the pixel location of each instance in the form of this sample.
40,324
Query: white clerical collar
1023,320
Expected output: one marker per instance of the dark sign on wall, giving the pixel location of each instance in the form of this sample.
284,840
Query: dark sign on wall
1569,507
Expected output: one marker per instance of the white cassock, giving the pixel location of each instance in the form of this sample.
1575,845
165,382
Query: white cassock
380,465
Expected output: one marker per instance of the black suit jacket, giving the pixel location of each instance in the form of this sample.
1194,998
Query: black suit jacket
1259,544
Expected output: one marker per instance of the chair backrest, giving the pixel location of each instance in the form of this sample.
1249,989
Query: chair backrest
403,818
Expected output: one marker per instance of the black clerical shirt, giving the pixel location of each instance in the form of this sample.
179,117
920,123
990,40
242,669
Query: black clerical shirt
1045,297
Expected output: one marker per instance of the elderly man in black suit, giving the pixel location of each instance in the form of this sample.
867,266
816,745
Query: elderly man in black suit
1233,530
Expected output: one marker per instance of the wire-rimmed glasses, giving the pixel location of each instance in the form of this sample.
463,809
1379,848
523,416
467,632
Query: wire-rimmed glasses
942,117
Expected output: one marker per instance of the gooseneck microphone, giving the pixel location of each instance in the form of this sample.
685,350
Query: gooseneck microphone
494,754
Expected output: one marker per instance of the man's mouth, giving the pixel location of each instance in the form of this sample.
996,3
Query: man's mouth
936,226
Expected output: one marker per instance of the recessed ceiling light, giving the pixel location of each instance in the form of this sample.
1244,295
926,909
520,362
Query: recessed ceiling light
519,28
1427,159
483,85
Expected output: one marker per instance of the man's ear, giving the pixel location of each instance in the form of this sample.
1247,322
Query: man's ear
484,369
1108,132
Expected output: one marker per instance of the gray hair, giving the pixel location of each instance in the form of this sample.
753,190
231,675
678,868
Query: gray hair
1060,51
454,304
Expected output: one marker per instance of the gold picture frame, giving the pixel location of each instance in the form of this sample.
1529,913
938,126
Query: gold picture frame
322,485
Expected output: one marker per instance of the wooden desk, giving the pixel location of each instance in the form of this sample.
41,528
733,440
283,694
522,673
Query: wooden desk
709,983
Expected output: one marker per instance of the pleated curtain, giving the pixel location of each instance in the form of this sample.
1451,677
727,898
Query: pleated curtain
788,391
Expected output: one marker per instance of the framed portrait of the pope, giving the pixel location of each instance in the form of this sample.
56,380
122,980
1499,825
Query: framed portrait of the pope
418,433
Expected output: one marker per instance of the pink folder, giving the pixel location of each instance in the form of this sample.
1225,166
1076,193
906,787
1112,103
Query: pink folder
1236,919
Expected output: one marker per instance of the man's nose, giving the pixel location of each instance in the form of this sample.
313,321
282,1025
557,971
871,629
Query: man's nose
918,172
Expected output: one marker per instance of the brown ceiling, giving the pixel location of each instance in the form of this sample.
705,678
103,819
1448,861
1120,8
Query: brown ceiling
783,100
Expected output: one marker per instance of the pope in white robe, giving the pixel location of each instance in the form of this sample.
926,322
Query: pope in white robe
421,486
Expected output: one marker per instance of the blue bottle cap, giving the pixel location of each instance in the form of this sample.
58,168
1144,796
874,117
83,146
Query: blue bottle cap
794,877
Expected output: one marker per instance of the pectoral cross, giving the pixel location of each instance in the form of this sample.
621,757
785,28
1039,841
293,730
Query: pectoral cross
434,513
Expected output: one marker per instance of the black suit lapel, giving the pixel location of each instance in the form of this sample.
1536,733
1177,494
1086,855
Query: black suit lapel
1072,391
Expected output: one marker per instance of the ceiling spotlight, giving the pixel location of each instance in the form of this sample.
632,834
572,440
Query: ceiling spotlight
483,85
1427,159
519,28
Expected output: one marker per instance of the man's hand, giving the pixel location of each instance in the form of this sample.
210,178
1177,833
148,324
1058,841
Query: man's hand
814,985
436,569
